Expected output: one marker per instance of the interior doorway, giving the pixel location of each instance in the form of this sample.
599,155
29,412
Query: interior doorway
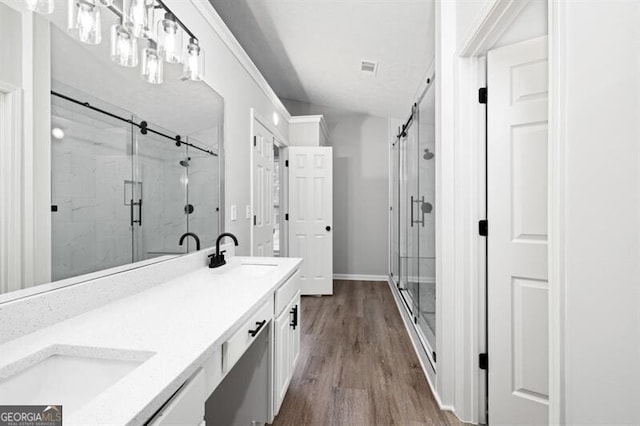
280,200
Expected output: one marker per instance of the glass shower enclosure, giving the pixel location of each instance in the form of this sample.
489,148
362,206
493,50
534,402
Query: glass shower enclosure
413,209
120,195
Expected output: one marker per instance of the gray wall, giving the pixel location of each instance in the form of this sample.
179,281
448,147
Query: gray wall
360,187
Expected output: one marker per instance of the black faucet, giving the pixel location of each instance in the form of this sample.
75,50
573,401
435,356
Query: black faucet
217,259
195,237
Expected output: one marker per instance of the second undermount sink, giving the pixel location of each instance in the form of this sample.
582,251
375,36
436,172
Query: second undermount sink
61,376
255,270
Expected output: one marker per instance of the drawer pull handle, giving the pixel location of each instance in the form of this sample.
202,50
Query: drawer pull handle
294,321
259,325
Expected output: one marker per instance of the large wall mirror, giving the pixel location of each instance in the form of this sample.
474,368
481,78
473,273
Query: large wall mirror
134,165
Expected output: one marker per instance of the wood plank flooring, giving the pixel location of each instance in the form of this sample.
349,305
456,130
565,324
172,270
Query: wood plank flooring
357,365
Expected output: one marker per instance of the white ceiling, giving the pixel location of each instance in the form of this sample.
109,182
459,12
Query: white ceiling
311,50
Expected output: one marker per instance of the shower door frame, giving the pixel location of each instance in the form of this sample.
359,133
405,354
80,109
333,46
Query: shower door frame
410,304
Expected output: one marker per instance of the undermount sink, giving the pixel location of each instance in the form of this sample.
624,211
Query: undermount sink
60,375
256,269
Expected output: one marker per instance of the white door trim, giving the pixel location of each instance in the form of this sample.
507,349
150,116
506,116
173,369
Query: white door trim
12,187
282,142
497,17
557,173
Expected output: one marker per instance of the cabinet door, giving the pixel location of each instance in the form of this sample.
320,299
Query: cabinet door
282,362
187,406
294,330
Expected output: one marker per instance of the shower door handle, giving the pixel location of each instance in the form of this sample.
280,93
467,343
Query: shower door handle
131,213
419,203
139,204
410,208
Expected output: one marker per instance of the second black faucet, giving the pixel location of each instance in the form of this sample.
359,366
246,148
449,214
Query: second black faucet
217,259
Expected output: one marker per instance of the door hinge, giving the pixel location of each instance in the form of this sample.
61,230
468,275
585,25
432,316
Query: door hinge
286,216
433,355
482,95
255,141
254,220
286,163
483,228
483,361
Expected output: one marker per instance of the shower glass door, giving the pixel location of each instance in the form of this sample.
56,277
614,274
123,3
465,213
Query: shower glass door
425,123
409,219
90,220
203,175
413,263
395,211
160,208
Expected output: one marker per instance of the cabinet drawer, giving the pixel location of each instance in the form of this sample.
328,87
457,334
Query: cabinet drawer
286,292
233,348
186,407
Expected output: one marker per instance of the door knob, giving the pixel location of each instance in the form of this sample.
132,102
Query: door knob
328,228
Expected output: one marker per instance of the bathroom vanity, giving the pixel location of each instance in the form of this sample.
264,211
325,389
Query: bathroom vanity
156,342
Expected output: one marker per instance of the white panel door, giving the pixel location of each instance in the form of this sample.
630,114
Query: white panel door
518,335
311,216
262,234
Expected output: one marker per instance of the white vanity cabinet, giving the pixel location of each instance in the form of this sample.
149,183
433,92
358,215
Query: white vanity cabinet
286,338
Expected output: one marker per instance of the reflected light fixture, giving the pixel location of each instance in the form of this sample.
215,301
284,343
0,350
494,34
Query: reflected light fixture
124,47
152,64
276,118
194,61
57,133
84,21
44,7
170,39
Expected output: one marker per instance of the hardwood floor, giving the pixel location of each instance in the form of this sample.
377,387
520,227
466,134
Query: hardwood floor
357,365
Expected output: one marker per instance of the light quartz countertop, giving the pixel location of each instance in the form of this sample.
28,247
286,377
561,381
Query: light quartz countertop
180,322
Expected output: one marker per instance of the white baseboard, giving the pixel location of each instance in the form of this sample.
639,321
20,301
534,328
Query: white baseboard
357,277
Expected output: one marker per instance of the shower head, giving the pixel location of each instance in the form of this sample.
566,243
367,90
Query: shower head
428,155
185,163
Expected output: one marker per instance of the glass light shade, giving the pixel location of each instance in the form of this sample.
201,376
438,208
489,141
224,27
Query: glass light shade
41,6
193,62
138,17
152,70
124,47
170,39
84,21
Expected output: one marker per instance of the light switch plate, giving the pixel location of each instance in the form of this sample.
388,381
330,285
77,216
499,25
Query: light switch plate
234,212
247,213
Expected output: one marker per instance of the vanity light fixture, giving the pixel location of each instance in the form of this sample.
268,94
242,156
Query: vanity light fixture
124,47
84,21
44,7
136,21
138,16
170,39
152,64
194,61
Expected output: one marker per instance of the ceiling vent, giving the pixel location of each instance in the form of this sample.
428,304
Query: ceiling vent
368,67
